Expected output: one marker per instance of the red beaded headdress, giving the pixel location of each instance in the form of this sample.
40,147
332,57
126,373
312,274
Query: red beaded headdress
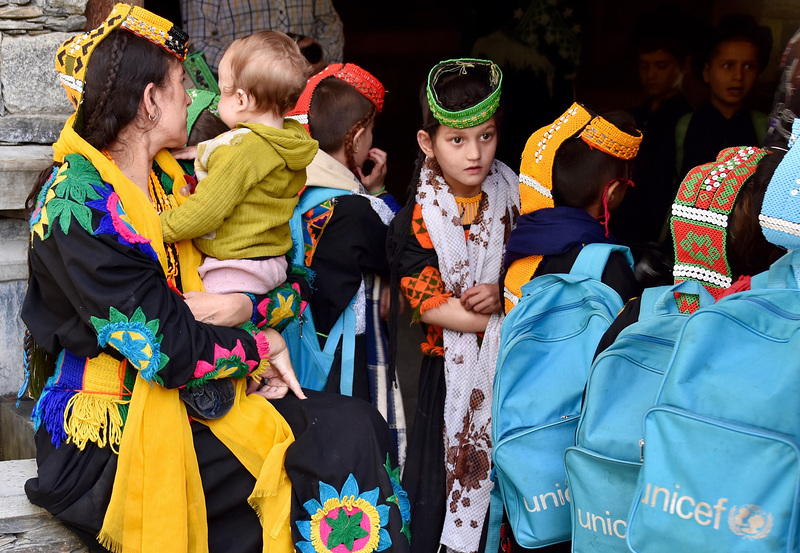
363,81
700,219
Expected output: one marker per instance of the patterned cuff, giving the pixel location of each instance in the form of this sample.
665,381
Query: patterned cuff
254,316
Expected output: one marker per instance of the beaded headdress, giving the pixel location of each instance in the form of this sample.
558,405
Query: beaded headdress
363,81
72,57
474,115
699,219
536,173
780,211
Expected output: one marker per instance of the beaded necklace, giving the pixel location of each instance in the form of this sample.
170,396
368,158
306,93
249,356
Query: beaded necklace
161,203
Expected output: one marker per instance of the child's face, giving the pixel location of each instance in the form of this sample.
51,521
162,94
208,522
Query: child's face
464,155
660,73
227,95
731,73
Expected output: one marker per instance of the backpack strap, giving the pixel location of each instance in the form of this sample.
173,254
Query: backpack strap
592,259
345,325
311,197
661,299
495,519
784,273
760,125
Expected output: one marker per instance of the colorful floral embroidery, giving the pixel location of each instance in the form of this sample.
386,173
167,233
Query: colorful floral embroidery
281,306
116,221
349,522
400,497
39,215
227,363
135,338
67,203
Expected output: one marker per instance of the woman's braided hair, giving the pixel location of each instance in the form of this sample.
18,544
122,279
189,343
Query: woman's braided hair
120,69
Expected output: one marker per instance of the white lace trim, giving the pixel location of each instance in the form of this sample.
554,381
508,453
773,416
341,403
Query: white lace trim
702,274
779,225
701,215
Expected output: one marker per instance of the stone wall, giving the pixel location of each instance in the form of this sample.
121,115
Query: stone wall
33,106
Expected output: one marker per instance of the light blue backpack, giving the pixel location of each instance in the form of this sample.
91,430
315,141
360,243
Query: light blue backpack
312,364
547,343
603,467
721,470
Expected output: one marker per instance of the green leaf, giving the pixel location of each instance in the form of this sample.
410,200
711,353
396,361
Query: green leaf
345,529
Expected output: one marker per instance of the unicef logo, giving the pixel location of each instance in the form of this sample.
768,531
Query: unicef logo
750,521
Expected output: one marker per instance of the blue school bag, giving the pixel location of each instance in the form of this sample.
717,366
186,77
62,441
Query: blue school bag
547,342
603,467
312,364
721,470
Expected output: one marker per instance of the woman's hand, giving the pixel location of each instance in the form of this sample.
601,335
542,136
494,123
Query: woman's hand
220,309
279,377
483,298
374,181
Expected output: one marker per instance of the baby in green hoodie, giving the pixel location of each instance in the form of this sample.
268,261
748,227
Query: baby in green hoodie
249,178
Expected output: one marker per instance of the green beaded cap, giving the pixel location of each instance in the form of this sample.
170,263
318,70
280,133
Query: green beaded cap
472,116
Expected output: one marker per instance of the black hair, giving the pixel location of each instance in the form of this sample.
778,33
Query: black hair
580,172
748,252
336,114
206,126
455,92
732,28
664,28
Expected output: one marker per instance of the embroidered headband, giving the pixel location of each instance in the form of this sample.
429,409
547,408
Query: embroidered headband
201,99
780,212
700,219
536,167
536,174
471,116
363,81
606,136
72,57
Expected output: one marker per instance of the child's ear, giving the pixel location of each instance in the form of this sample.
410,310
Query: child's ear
615,192
359,133
243,99
425,143
705,73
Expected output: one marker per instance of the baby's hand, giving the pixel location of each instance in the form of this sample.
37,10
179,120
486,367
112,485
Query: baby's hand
483,298
187,153
374,181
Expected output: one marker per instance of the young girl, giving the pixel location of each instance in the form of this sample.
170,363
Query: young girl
346,234
447,250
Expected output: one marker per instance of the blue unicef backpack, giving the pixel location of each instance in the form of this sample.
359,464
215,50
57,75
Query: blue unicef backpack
603,467
721,470
547,343
312,364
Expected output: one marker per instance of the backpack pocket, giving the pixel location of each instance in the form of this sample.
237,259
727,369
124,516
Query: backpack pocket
534,489
714,486
601,491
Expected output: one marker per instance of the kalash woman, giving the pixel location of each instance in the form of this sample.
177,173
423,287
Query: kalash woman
120,461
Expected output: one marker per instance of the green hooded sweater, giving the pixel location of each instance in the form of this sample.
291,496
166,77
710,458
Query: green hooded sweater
248,184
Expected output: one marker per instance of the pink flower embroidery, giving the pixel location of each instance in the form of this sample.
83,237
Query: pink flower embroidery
224,358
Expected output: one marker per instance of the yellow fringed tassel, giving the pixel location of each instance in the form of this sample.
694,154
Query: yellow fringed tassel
93,418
